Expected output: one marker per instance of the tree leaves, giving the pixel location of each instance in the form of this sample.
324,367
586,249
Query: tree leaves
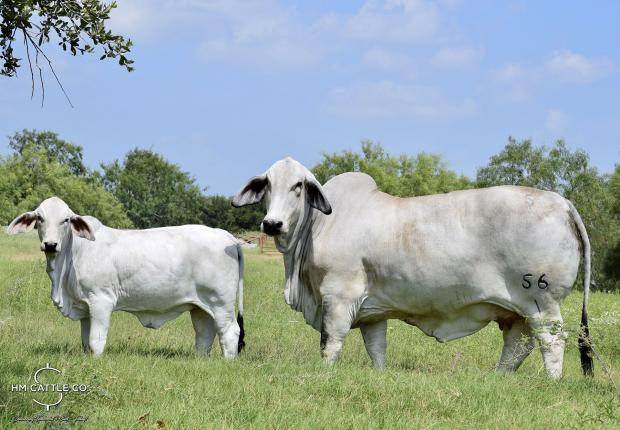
55,148
43,166
154,192
76,25
403,176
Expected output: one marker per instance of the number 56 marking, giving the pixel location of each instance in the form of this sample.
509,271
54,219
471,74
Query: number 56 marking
542,283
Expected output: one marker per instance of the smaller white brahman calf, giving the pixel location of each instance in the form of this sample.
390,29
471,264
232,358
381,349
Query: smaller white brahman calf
155,274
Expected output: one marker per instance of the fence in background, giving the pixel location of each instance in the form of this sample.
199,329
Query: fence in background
264,243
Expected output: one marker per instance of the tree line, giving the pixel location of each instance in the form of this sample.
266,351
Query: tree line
141,191
145,190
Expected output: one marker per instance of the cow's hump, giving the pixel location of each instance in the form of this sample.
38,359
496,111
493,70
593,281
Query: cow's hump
354,182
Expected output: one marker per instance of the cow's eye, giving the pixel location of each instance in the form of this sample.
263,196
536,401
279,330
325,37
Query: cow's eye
66,220
297,189
39,219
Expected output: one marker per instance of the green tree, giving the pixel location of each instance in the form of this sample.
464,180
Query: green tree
614,188
612,260
519,163
30,176
570,174
218,212
50,144
154,192
78,26
403,176
248,218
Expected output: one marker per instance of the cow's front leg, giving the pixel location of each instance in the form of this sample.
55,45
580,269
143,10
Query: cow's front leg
334,328
100,313
85,332
375,341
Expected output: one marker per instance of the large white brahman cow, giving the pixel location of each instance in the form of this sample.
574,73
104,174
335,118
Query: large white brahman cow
448,264
155,274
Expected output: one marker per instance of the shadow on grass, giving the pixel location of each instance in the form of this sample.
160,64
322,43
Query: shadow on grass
144,351
57,348
124,349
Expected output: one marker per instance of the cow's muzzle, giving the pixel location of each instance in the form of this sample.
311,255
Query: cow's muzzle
49,247
272,227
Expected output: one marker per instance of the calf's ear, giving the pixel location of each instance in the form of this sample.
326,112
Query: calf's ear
81,228
253,192
23,223
316,198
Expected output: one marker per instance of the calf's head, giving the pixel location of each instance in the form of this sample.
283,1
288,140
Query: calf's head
289,190
54,221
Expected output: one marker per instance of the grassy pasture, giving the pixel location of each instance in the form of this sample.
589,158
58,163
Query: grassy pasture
151,379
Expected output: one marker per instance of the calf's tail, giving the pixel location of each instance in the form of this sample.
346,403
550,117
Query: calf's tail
584,342
241,342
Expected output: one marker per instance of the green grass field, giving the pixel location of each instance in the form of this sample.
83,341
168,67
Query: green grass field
151,378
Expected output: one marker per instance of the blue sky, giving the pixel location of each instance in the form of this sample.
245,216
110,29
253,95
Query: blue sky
225,88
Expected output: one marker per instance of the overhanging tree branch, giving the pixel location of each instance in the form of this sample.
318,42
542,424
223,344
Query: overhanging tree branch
78,26
49,62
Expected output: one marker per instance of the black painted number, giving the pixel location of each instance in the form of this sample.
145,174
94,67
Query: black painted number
542,283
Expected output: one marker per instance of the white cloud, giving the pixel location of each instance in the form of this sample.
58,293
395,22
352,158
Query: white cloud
269,54
456,57
564,66
561,67
569,66
387,99
394,21
148,20
329,23
386,60
556,121
271,34
257,33
517,95
510,72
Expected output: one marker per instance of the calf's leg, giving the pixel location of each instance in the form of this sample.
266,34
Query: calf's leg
228,332
205,331
84,332
375,341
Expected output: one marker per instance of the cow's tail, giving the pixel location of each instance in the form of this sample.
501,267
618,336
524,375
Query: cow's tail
585,343
241,342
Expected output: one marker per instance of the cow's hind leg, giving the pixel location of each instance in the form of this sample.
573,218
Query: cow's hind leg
547,328
100,313
228,332
205,331
518,343
85,332
375,341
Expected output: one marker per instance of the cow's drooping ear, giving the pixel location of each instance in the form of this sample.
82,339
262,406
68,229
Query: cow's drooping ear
81,228
23,223
252,193
316,198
